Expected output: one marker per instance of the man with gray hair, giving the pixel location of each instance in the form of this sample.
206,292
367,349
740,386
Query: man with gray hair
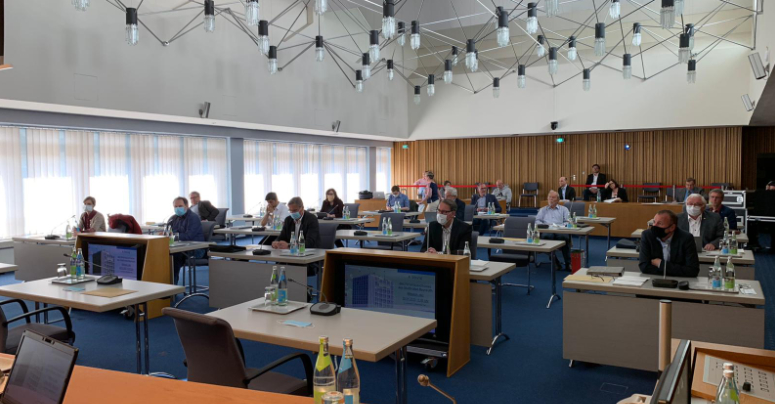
450,194
554,213
298,221
701,223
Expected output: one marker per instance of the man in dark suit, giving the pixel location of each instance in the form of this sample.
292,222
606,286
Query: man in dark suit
598,180
566,192
447,231
451,195
691,188
481,200
204,209
666,249
298,220
700,223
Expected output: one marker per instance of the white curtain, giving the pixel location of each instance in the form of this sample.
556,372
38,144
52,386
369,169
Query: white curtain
383,170
109,183
205,165
357,163
11,197
258,173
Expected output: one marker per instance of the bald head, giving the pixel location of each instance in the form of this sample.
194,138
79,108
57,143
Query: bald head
499,184
695,199
553,198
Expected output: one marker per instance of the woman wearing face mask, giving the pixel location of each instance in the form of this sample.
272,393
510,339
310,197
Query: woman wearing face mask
332,206
91,221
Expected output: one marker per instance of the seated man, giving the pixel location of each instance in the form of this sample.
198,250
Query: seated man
204,209
447,231
451,194
481,200
188,226
502,192
274,208
566,192
298,221
716,206
666,249
597,180
690,188
397,196
554,213
699,223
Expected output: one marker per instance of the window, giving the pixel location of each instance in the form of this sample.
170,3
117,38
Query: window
48,204
158,193
383,170
112,194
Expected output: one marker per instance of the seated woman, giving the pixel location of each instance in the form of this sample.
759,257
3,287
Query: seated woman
332,206
613,191
91,221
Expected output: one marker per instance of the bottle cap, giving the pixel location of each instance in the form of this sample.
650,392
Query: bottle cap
728,366
729,374
323,339
348,342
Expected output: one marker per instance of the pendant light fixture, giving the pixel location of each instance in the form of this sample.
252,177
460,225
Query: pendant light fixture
366,66
496,87
401,32
321,6
447,71
615,9
272,59
320,52
503,27
691,73
471,63
683,48
374,45
552,61
431,85
263,37
679,7
531,26
627,66
586,83
540,50
636,38
131,26
572,51
209,22
521,79
552,7
417,95
390,72
667,14
414,40
359,81
251,12
81,5
454,56
600,39
689,30
389,19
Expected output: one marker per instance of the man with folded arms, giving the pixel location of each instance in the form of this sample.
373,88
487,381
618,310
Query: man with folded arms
554,213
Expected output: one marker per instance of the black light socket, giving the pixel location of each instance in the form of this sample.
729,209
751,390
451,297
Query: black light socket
503,17
586,74
627,59
209,7
272,52
552,53
692,65
683,41
401,28
416,90
390,63
470,46
374,37
496,82
600,30
131,16
689,29
521,70
318,41
668,3
531,10
365,59
541,39
431,79
447,65
358,75
572,42
415,27
263,28
454,50
636,28
389,9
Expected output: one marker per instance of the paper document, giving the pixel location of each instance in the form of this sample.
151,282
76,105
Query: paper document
588,278
630,281
762,382
477,265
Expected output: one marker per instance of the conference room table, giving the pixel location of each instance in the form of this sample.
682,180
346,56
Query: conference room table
37,258
5,268
397,237
188,248
603,221
242,218
46,292
494,216
578,231
486,286
744,262
233,232
520,244
377,213
742,238
422,224
375,335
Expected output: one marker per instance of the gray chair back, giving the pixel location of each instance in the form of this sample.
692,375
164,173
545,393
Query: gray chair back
473,244
577,207
517,226
207,230
397,219
220,220
469,213
212,353
655,189
353,209
327,234
530,187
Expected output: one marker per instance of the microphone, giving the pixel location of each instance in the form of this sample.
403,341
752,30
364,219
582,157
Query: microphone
51,235
332,209
261,250
309,288
425,381
320,308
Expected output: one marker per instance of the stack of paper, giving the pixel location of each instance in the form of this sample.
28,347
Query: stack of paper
630,281
477,266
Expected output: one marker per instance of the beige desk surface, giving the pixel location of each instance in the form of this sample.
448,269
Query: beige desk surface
423,224
598,220
375,213
355,221
238,218
492,217
741,237
492,271
377,236
40,239
648,290
184,246
247,231
376,335
4,268
545,247
746,259
275,256
46,292
581,231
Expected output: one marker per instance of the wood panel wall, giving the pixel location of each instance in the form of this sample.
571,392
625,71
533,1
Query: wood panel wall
666,156
756,140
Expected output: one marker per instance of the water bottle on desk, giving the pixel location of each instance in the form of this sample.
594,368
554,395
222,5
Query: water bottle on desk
536,236
728,393
715,276
79,265
729,275
726,225
68,231
302,244
348,379
384,226
73,268
733,245
282,289
274,283
324,378
529,232
346,213
467,250
390,227
294,246
598,195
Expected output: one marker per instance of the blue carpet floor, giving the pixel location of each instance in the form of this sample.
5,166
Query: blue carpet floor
527,368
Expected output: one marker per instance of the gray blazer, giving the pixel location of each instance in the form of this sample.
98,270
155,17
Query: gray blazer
681,194
711,229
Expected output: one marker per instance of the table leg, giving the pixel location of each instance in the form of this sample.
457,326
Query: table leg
137,336
529,287
608,240
147,344
554,284
499,312
401,397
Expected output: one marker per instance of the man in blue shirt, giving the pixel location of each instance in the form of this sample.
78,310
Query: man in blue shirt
554,213
397,196
481,200
716,198
188,225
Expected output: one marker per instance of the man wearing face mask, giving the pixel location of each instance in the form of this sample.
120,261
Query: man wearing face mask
188,226
297,221
447,231
91,221
701,223
397,196
666,249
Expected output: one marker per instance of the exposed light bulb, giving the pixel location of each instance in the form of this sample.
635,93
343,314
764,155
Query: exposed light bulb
414,40
503,36
272,59
552,64
454,58
691,73
636,39
321,6
431,85
521,79
320,54
251,13
471,64
683,49
358,81
388,20
374,52
572,53
600,39
81,5
401,34
502,33
615,9
209,21
552,7
586,83
496,91
679,7
366,66
390,72
417,95
531,25
540,50
667,14
263,37
627,66
132,34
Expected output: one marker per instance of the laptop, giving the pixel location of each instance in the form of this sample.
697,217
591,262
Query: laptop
41,371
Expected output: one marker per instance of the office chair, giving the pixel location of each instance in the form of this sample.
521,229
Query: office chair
529,190
651,194
220,221
468,216
192,263
516,227
353,209
215,356
473,244
327,231
11,337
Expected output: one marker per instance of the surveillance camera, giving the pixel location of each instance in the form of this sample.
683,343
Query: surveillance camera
204,112
335,126
554,125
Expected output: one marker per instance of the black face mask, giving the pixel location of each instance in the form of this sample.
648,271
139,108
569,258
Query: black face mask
660,232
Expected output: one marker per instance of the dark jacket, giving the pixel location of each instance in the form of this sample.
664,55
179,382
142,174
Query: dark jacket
189,226
490,199
601,180
207,211
461,232
570,193
683,255
310,227
460,213
730,215
622,194
682,193
335,208
711,228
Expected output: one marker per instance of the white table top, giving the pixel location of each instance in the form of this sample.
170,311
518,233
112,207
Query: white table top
40,239
183,246
579,231
493,270
51,293
600,220
376,335
4,268
492,217
423,224
509,244
237,218
275,256
377,236
741,237
648,290
375,213
705,257
248,231
351,220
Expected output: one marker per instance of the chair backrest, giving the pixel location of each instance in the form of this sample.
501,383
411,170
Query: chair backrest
220,220
413,205
474,242
517,226
469,213
3,330
397,219
353,207
207,230
647,189
212,353
327,234
530,186
577,207
430,219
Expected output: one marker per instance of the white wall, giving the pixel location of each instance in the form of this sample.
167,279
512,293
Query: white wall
65,58
765,37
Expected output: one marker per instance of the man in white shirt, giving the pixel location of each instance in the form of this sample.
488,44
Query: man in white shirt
701,223
554,213
502,192
597,180
274,208
567,193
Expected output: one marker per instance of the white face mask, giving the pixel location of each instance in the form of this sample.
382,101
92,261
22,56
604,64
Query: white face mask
88,208
442,219
693,210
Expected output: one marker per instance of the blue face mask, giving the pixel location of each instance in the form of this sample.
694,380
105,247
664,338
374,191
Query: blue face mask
180,211
295,215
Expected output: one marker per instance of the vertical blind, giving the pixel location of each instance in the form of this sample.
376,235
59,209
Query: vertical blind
305,170
46,173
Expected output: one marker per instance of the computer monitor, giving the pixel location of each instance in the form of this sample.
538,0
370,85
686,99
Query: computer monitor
103,258
675,384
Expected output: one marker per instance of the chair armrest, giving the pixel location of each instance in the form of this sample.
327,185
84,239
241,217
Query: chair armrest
21,303
305,360
65,316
